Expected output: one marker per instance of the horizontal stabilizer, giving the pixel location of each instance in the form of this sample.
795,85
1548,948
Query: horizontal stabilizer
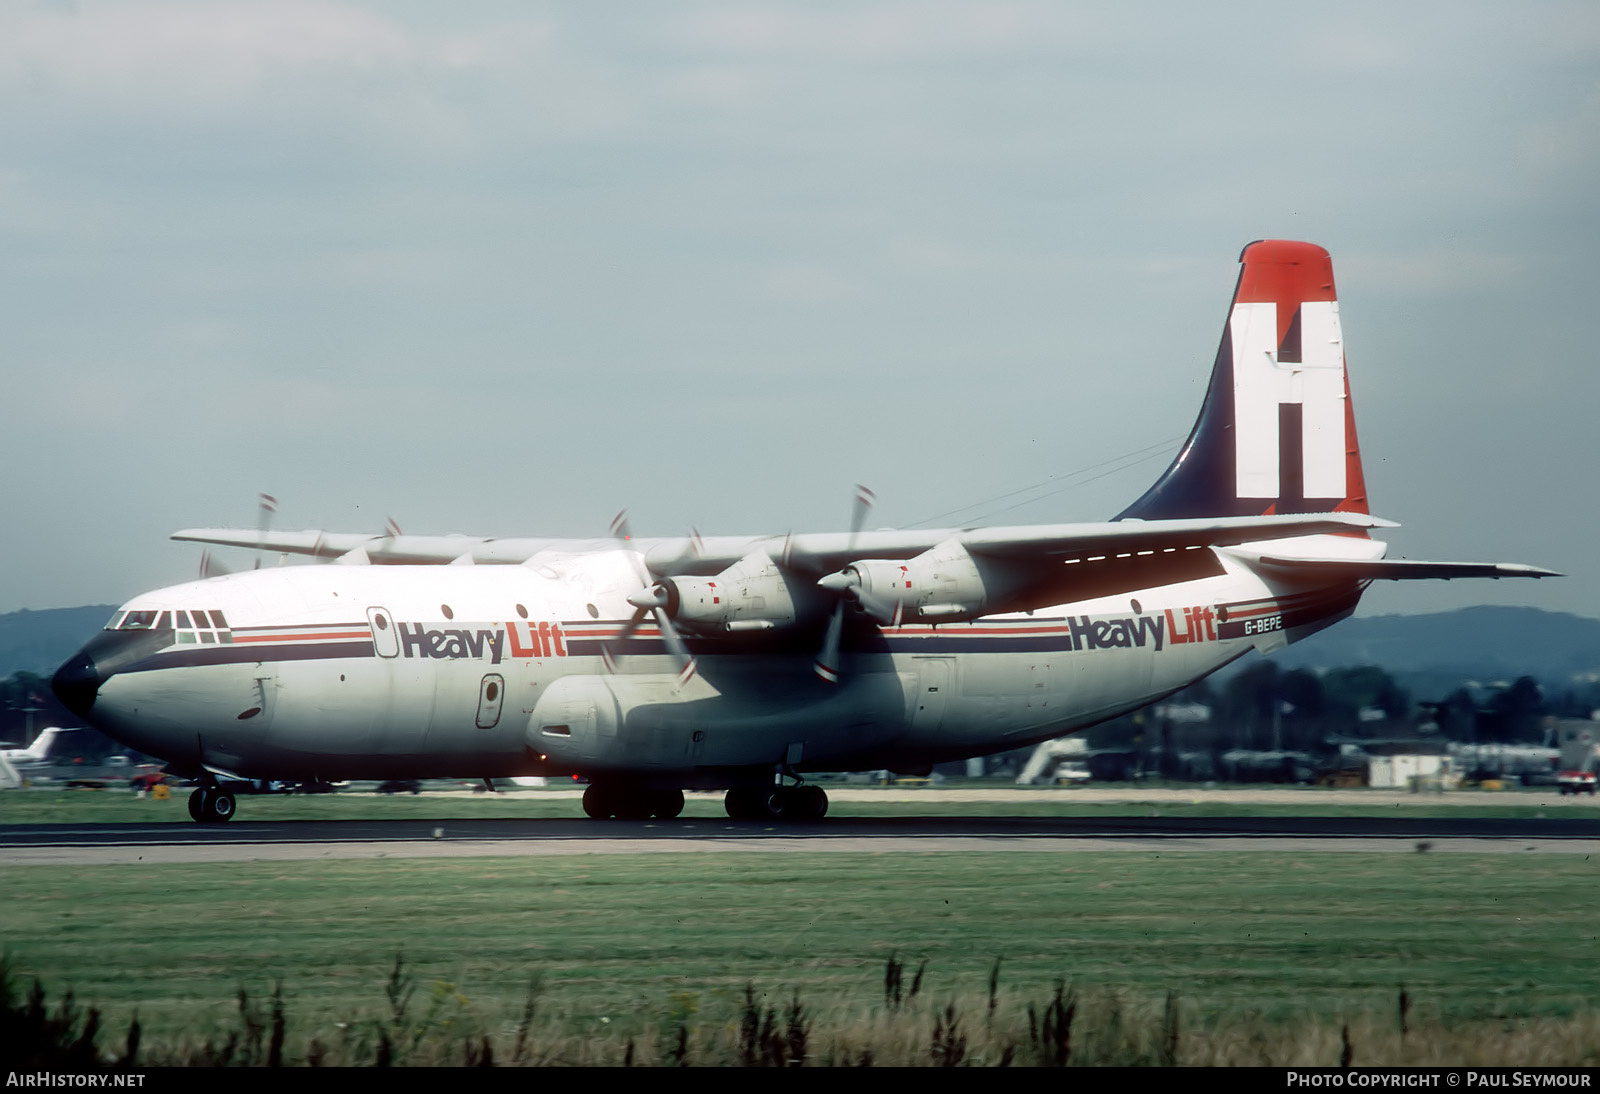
1391,569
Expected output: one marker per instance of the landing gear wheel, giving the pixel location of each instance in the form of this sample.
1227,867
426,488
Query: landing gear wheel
757,803
208,805
746,803
666,804
632,804
806,803
597,802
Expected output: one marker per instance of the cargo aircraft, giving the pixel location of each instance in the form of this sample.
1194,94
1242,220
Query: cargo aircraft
747,663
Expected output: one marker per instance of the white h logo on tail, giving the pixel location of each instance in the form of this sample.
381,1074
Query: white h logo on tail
1262,384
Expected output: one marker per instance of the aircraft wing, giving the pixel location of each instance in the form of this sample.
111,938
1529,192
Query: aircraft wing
815,552
1392,569
407,550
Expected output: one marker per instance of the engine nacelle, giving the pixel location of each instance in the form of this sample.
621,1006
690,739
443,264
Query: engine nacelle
753,594
943,584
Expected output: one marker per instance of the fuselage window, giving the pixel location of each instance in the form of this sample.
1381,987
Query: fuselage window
448,614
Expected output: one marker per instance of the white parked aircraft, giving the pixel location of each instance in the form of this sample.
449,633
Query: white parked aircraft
745,663
39,751
17,763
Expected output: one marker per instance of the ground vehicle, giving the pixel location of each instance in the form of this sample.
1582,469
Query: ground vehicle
1576,782
1579,757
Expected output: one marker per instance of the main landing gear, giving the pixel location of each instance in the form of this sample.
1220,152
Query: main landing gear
787,803
211,805
604,800
624,801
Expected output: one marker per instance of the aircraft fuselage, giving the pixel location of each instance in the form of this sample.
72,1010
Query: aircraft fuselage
336,672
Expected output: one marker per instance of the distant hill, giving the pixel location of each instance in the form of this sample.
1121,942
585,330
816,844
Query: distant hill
1488,643
38,642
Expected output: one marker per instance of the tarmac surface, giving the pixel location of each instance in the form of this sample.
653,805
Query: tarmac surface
1571,827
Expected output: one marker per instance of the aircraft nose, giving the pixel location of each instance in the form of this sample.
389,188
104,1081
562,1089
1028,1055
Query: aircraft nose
77,683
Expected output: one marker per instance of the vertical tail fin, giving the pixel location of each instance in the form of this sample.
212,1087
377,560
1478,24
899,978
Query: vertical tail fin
1276,433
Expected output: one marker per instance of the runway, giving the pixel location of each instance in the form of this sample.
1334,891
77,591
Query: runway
244,841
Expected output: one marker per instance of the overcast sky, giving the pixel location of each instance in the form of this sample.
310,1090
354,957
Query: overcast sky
506,268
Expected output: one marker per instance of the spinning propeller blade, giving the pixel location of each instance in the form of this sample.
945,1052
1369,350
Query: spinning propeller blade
650,599
267,506
826,665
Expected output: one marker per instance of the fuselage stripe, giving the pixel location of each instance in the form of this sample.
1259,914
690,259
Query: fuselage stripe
199,656
318,636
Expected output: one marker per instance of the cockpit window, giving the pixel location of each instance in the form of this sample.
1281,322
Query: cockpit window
203,627
194,627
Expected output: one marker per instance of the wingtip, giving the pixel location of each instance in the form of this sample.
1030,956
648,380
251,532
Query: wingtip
1518,569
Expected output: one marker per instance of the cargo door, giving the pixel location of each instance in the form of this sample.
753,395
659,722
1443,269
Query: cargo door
934,677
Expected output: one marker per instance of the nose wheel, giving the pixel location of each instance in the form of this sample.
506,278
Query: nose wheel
209,805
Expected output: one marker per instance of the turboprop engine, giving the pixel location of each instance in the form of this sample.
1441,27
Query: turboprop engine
943,584
754,594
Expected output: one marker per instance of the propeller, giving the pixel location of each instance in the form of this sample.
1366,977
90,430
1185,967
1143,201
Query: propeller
827,663
380,549
268,505
210,567
652,598
847,583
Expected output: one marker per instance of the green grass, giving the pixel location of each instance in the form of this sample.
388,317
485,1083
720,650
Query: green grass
626,946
